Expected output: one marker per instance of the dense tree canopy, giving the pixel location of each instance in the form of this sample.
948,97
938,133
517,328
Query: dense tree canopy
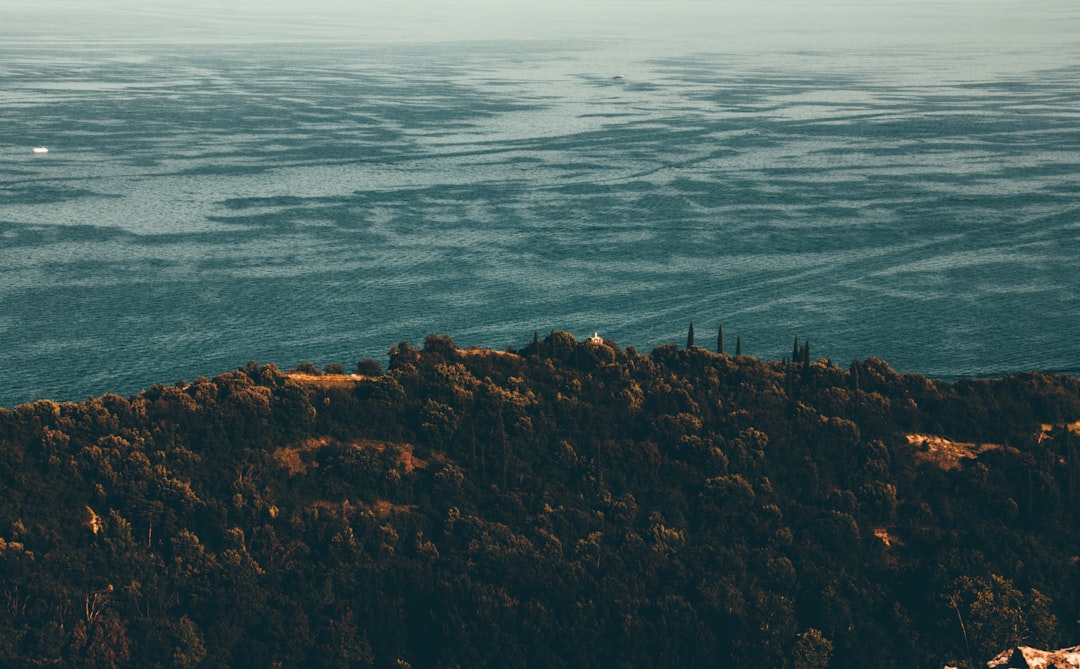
570,504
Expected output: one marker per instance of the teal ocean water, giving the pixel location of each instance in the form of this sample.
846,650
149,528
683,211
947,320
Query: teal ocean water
202,207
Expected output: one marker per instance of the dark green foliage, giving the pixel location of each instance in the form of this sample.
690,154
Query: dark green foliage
439,344
690,336
575,505
368,367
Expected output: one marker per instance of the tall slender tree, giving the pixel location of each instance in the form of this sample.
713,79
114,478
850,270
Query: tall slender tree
738,346
690,336
720,340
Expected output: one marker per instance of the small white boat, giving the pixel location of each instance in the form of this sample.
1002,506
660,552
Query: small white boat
40,149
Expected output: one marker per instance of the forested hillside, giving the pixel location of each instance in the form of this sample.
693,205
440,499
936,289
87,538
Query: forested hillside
569,504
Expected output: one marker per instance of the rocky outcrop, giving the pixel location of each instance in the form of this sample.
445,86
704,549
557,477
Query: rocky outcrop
1025,657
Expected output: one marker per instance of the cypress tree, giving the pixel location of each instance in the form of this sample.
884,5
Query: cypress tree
505,447
1073,458
720,340
690,337
796,352
806,353
738,346
536,343
853,375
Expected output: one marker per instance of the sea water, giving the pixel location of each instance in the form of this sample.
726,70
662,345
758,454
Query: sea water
206,202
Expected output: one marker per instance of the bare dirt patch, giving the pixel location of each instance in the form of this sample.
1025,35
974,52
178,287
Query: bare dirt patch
406,453
481,351
384,508
946,453
290,458
886,538
1046,429
328,380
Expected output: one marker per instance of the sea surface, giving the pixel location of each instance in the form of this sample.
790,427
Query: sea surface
209,202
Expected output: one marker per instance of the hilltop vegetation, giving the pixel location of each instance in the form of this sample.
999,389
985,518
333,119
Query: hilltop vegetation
566,505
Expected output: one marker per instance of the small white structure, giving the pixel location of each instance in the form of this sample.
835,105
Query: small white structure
40,150
595,339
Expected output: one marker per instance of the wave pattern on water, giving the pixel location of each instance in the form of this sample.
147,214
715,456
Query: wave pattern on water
197,211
